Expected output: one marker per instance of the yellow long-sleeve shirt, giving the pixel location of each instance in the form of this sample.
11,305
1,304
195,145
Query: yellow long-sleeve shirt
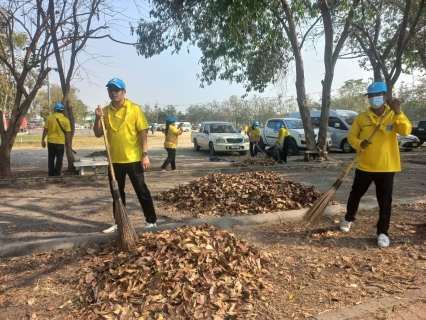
282,133
382,155
254,133
171,138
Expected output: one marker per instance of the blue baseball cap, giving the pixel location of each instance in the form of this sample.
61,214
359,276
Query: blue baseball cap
376,87
171,119
277,127
116,82
58,106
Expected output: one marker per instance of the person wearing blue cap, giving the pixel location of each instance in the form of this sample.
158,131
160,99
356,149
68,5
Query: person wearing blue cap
379,159
57,128
170,142
283,139
126,131
253,133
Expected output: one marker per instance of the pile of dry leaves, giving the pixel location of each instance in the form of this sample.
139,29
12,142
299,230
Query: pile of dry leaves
102,153
240,194
255,161
190,272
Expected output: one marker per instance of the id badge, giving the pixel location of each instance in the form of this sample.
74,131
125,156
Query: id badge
389,127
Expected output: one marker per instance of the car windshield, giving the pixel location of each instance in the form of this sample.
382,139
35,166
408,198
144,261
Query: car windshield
294,124
222,128
348,116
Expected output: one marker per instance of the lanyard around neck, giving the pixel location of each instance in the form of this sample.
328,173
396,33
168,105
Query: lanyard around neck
109,119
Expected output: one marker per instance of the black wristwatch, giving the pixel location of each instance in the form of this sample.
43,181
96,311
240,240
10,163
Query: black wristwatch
144,154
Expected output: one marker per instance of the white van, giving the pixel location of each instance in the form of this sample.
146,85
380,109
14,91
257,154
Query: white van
339,123
186,125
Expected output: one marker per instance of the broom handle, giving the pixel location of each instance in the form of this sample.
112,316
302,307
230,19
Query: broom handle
108,151
339,181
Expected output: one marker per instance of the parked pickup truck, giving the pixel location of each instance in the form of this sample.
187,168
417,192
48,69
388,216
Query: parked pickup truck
295,127
217,136
420,131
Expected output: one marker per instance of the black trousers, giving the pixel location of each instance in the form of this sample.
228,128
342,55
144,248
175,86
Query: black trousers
286,146
384,189
253,148
171,157
135,172
55,150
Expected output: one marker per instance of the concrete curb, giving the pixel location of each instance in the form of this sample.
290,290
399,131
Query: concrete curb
25,248
95,177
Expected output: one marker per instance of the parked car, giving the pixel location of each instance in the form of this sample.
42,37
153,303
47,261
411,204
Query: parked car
420,131
408,143
195,127
218,136
339,123
268,137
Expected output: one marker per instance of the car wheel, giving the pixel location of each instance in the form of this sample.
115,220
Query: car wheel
196,146
346,147
211,149
293,150
262,145
243,153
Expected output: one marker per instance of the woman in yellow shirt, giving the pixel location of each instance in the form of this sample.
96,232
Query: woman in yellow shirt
170,143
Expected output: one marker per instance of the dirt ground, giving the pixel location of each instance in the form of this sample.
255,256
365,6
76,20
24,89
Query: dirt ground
315,270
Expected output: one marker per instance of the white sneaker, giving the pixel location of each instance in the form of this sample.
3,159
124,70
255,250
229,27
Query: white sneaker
150,225
345,226
111,229
383,240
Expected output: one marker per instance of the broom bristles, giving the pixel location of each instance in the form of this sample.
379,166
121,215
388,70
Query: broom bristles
313,214
127,237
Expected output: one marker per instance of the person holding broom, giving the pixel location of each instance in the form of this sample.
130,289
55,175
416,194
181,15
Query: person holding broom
126,128
283,136
379,159
58,131
170,142
253,133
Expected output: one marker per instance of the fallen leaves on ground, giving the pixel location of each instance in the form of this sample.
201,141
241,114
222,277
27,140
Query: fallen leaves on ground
314,271
240,194
255,161
190,272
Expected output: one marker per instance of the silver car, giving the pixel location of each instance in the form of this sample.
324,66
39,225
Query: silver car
408,143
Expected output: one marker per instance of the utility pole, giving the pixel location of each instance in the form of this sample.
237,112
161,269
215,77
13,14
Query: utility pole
48,88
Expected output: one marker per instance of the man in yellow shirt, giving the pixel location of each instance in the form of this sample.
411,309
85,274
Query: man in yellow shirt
284,139
57,128
380,158
126,128
254,135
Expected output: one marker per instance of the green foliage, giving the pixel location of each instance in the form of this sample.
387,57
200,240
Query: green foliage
351,96
236,110
241,41
41,102
377,27
413,98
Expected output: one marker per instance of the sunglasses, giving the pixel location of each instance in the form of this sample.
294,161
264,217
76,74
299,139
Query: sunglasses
114,90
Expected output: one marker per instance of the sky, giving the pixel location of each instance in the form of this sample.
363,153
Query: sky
172,79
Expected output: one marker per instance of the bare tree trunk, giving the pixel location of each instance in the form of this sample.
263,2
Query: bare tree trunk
69,113
291,32
8,136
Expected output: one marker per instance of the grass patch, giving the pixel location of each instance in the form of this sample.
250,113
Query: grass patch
34,141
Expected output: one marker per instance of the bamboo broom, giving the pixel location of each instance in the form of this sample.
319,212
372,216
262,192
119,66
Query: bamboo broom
313,214
127,237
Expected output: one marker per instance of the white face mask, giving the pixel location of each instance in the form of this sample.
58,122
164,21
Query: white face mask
376,102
